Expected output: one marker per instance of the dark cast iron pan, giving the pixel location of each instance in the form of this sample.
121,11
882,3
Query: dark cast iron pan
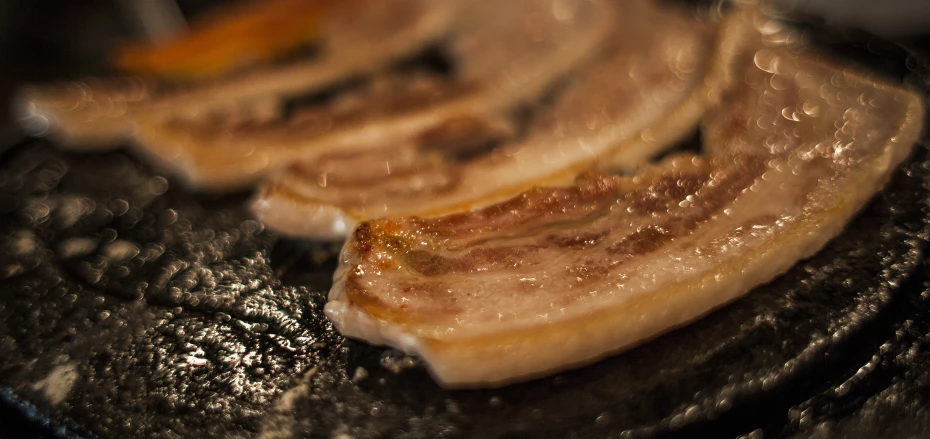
132,307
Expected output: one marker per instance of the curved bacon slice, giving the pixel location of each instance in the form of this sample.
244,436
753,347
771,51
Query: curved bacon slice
559,277
506,54
357,37
644,92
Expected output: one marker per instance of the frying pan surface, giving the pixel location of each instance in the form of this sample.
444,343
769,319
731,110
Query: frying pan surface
130,306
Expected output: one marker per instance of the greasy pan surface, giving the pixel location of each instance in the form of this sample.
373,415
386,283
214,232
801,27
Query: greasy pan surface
130,306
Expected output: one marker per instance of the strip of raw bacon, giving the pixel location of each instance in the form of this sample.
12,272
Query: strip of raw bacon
356,37
647,89
559,277
505,54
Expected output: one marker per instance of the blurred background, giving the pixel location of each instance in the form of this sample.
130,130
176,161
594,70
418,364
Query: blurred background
46,40
42,40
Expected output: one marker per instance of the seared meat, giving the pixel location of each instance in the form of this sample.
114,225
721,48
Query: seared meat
561,276
504,54
645,90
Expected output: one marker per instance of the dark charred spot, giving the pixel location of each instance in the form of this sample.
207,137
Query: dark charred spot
363,237
433,60
372,237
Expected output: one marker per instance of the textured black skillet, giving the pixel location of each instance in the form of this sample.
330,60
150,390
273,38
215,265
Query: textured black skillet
131,307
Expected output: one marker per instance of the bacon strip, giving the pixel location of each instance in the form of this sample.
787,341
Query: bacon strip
647,89
559,277
97,114
505,55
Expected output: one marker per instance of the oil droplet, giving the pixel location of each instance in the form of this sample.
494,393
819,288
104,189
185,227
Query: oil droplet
120,251
158,185
396,362
25,242
76,247
360,374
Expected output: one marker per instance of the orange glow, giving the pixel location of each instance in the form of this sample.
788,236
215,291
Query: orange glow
250,32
